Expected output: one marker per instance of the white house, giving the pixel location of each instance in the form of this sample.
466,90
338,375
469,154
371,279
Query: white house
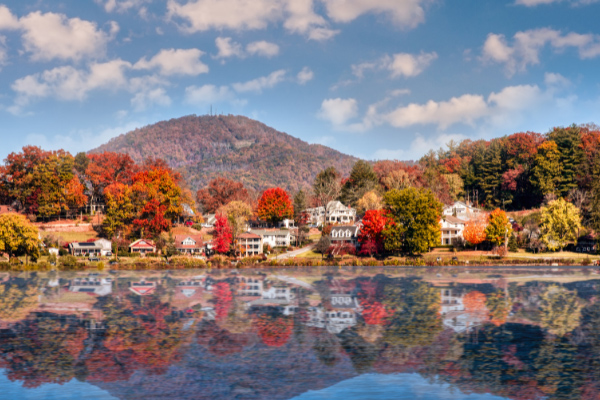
274,238
344,234
334,213
461,210
105,246
209,221
452,229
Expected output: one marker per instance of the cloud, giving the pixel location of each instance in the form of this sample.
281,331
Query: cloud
527,45
305,76
121,6
262,48
175,62
208,94
404,13
533,3
418,146
400,64
151,96
54,36
259,84
227,48
338,111
7,20
298,16
3,51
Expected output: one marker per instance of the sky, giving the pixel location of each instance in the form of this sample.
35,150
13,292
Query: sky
378,79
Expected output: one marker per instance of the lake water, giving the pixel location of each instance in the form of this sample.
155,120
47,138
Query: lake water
305,334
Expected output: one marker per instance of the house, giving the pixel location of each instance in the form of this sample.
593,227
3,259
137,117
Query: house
249,244
143,287
84,248
209,221
250,286
452,229
334,213
287,223
587,244
106,246
142,246
461,210
189,244
91,285
344,234
274,238
53,250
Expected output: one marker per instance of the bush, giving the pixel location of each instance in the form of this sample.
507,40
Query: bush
197,227
63,252
512,244
68,262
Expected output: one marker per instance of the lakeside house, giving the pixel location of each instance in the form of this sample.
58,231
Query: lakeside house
461,210
142,246
85,248
452,229
249,244
189,244
209,221
275,237
344,234
333,213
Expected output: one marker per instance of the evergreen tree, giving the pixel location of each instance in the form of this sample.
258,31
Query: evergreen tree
547,170
491,174
568,142
327,186
362,180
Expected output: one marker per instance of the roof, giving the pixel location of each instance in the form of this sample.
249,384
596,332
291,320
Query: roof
454,220
353,228
85,245
142,243
179,239
264,232
248,236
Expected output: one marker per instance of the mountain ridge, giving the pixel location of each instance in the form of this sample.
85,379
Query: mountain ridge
232,146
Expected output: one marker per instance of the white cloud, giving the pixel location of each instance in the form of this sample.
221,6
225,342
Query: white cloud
228,48
305,76
400,64
527,45
338,111
121,6
152,96
419,146
404,13
262,48
302,19
175,62
208,94
54,36
556,80
409,65
259,84
3,51
7,19
533,3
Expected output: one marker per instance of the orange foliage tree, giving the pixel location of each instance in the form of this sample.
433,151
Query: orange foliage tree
474,231
275,206
219,192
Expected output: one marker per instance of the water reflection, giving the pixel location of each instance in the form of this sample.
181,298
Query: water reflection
310,333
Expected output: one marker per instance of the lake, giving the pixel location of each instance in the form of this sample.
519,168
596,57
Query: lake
307,334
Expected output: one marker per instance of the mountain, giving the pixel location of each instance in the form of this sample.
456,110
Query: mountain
235,147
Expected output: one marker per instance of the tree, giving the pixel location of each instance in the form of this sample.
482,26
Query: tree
326,186
499,306
108,168
547,169
498,228
413,220
274,206
474,231
18,237
560,310
219,192
119,210
569,146
301,217
300,204
362,179
323,245
222,236
374,223
560,222
370,201
238,213
151,219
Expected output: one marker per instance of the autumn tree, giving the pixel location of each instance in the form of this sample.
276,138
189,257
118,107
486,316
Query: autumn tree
560,310
362,179
108,168
374,223
301,217
413,220
498,228
238,213
222,236
370,201
474,231
547,169
119,209
219,192
327,186
560,222
274,206
323,245
18,237
151,221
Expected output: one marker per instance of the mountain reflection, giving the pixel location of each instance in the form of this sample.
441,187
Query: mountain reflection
276,335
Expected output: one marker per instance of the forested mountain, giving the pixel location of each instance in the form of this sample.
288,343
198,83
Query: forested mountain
235,147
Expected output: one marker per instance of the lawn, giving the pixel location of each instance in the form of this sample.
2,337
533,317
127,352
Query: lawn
72,236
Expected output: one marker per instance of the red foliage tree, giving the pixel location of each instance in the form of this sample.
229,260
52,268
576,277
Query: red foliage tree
222,236
151,220
522,146
274,331
221,191
374,313
275,206
108,168
374,222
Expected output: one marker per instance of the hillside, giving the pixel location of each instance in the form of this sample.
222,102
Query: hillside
235,147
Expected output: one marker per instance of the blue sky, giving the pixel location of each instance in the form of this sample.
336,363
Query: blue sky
372,78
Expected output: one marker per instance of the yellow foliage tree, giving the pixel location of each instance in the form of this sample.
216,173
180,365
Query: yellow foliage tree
18,237
560,221
238,213
370,201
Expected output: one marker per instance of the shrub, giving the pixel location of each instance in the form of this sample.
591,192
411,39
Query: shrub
197,227
68,262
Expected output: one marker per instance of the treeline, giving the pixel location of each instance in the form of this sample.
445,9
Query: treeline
138,199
